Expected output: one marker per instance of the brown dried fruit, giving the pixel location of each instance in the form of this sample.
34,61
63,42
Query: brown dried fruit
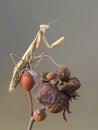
39,115
53,100
50,76
63,72
70,86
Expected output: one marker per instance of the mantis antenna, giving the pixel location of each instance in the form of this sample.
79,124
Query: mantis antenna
47,26
54,21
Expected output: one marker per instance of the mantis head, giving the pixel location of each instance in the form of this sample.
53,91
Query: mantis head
44,27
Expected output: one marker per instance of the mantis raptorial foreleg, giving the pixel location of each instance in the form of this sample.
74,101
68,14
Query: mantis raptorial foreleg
45,41
57,43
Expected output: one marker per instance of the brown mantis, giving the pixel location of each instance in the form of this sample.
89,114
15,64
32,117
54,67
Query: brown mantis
26,59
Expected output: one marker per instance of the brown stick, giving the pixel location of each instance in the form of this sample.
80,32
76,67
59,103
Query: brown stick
31,121
31,102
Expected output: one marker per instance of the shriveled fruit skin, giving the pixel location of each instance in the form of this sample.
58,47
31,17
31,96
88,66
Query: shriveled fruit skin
53,100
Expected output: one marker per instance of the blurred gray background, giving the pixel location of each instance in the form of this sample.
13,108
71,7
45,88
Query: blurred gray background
19,23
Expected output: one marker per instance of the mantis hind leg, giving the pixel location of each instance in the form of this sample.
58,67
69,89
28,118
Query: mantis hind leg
40,57
13,56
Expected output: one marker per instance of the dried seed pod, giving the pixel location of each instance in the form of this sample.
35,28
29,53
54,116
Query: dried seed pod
73,84
62,87
49,76
73,95
44,76
70,86
55,81
63,72
39,115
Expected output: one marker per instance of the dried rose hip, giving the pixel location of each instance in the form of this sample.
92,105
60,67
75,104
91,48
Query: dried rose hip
53,100
39,115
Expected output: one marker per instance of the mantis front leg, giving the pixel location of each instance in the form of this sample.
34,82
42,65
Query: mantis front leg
57,43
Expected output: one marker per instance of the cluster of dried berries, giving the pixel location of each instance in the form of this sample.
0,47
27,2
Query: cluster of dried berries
57,89
54,92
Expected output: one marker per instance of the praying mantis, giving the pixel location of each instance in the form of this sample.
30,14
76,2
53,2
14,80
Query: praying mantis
26,59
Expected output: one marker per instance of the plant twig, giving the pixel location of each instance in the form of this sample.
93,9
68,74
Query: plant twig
31,102
31,121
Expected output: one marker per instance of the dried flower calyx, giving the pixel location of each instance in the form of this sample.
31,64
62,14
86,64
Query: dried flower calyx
57,89
62,80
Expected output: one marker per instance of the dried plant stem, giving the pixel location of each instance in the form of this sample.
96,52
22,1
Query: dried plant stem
31,121
31,102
